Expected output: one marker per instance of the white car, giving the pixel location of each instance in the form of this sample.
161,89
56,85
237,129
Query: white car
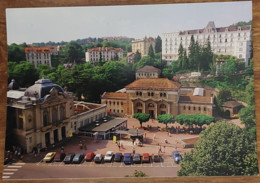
108,157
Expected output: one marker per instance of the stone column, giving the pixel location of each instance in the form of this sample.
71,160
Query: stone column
169,108
156,111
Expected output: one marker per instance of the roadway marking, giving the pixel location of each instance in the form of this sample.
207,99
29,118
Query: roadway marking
13,170
10,166
5,177
8,173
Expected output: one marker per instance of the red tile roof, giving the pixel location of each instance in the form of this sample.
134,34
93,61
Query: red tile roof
148,68
114,95
154,84
189,98
37,49
105,49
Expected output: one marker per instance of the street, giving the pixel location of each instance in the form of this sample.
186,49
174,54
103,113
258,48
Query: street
57,170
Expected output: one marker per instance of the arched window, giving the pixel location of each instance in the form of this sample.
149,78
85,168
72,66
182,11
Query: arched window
62,113
184,107
45,118
149,94
150,105
139,104
164,94
162,106
152,94
54,114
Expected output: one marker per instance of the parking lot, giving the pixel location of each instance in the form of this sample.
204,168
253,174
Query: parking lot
166,162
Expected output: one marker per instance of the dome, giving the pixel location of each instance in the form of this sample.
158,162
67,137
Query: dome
13,85
42,88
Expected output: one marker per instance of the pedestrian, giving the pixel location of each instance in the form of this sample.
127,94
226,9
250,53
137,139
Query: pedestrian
133,150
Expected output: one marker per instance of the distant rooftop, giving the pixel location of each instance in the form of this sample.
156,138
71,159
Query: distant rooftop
80,107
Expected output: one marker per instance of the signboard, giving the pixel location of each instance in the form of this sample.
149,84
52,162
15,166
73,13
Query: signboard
70,133
114,139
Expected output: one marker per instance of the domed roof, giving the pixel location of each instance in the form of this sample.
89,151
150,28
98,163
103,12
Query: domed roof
42,88
13,85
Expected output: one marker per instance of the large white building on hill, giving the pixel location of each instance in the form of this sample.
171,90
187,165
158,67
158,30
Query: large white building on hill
232,40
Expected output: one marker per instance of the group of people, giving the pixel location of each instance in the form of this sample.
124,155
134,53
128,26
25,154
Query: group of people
120,145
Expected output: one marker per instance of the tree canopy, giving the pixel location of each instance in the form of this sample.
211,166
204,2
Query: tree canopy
166,119
158,44
141,117
223,149
73,53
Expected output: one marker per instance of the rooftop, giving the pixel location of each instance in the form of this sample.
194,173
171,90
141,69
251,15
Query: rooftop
37,49
231,104
148,68
154,84
114,95
105,49
103,125
80,107
203,96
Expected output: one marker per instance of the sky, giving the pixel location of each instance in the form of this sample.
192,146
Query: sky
33,25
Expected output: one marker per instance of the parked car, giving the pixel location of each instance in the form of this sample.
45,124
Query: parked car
118,157
98,158
157,158
146,158
49,157
127,158
109,156
176,156
89,156
59,157
137,158
78,158
68,158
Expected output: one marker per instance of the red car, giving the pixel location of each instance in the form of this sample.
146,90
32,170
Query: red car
89,156
146,158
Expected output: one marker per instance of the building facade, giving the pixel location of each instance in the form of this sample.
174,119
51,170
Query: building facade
115,102
231,40
38,55
130,57
45,114
107,53
157,96
142,45
148,72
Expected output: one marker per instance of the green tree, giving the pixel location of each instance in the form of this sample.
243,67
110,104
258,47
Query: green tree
158,44
192,53
73,53
137,56
24,73
247,116
16,52
166,119
146,60
151,52
43,70
223,149
180,56
141,117
206,56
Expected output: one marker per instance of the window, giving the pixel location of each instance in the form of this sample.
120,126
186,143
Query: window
121,103
152,94
184,107
114,103
204,108
139,111
189,107
163,112
199,108
117,103
194,108
54,114
62,113
139,104
150,105
149,94
45,118
162,106
122,111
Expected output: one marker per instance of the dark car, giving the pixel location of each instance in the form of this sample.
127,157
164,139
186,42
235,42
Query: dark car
146,158
127,158
68,158
98,158
118,157
89,156
176,156
157,158
59,157
78,158
137,158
